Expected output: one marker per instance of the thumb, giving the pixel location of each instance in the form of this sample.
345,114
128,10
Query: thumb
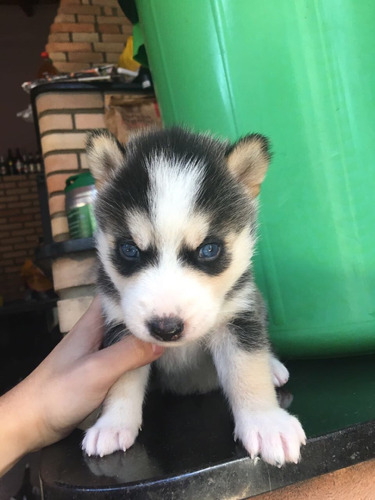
127,354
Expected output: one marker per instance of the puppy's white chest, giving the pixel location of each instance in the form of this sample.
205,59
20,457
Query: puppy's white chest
187,369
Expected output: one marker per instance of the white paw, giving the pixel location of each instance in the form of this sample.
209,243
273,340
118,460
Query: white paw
280,374
274,435
103,438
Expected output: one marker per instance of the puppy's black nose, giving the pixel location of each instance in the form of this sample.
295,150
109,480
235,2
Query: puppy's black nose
166,328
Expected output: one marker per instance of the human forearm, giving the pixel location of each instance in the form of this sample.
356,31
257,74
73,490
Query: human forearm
19,428
66,387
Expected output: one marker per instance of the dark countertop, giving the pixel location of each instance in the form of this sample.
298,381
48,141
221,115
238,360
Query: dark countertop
186,449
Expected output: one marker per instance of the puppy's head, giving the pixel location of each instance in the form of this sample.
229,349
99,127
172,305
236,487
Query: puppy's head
176,216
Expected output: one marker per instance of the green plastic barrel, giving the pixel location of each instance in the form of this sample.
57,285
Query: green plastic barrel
302,72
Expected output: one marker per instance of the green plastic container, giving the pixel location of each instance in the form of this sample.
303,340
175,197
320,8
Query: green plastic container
79,197
302,72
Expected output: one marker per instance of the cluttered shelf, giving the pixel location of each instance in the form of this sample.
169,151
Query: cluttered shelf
186,448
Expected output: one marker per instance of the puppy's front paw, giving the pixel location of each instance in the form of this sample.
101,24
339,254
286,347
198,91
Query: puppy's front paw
105,437
280,374
274,434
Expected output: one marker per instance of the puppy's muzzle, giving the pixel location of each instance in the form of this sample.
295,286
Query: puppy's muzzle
166,328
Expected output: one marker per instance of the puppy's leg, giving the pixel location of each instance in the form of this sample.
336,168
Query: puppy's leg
280,374
121,418
263,427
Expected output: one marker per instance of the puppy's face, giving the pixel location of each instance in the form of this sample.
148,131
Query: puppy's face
175,214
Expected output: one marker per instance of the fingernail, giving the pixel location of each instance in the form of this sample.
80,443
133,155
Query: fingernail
157,349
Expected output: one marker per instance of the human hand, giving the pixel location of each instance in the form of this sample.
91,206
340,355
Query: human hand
67,386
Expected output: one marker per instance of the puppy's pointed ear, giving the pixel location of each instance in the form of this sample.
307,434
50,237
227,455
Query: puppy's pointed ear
104,153
248,160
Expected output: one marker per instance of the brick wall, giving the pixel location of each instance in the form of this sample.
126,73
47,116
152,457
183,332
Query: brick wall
20,230
87,33
64,120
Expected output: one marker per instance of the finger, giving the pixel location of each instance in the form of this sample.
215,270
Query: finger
127,354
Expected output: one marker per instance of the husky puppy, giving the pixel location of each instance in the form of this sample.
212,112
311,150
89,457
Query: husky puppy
176,215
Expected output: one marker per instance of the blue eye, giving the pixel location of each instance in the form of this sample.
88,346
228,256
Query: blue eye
209,251
129,251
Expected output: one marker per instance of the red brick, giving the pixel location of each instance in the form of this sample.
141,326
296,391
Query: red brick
24,232
108,28
65,18
86,19
31,210
56,204
57,56
55,122
84,162
19,253
26,181
30,238
7,213
69,100
114,38
22,246
56,182
24,205
13,239
59,37
105,3
109,47
88,57
72,27
17,191
85,37
68,47
29,196
37,224
68,67
66,140
5,249
10,184
79,9
89,120
126,29
57,162
111,57
111,20
21,218
10,228
60,230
